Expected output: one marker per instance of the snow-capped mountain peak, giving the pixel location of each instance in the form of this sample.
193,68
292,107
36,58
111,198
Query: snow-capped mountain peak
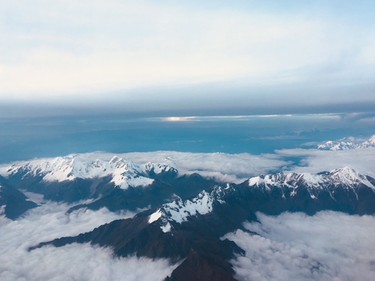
179,211
370,142
290,179
347,144
343,176
349,176
158,168
88,166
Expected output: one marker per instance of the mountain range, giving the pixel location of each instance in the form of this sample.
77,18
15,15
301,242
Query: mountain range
347,144
181,217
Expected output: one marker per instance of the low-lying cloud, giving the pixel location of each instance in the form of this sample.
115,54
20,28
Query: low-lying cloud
327,246
239,167
314,160
221,166
71,262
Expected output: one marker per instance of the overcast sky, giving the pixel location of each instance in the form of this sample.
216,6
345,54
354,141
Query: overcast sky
183,53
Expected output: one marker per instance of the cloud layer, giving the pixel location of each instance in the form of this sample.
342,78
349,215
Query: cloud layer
221,166
315,161
72,262
327,246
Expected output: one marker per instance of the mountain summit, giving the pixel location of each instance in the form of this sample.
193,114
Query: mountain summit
347,144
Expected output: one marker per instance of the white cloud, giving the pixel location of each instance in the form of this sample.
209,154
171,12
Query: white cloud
80,262
50,220
72,262
327,246
221,166
238,167
315,161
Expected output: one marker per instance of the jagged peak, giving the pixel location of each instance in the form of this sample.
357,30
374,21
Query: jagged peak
124,173
178,211
347,144
289,179
341,176
349,176
158,168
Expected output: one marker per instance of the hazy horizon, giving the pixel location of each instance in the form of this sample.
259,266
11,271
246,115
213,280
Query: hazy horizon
29,110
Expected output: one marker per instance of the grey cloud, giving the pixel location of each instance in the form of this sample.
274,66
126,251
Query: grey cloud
370,120
327,246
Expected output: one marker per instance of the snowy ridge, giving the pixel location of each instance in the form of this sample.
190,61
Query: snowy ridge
347,144
178,211
87,166
292,180
344,177
221,167
150,167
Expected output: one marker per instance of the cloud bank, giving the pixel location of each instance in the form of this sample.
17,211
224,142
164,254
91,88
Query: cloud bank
314,161
328,246
73,262
221,166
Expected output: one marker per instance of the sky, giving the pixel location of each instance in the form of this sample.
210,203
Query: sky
162,54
